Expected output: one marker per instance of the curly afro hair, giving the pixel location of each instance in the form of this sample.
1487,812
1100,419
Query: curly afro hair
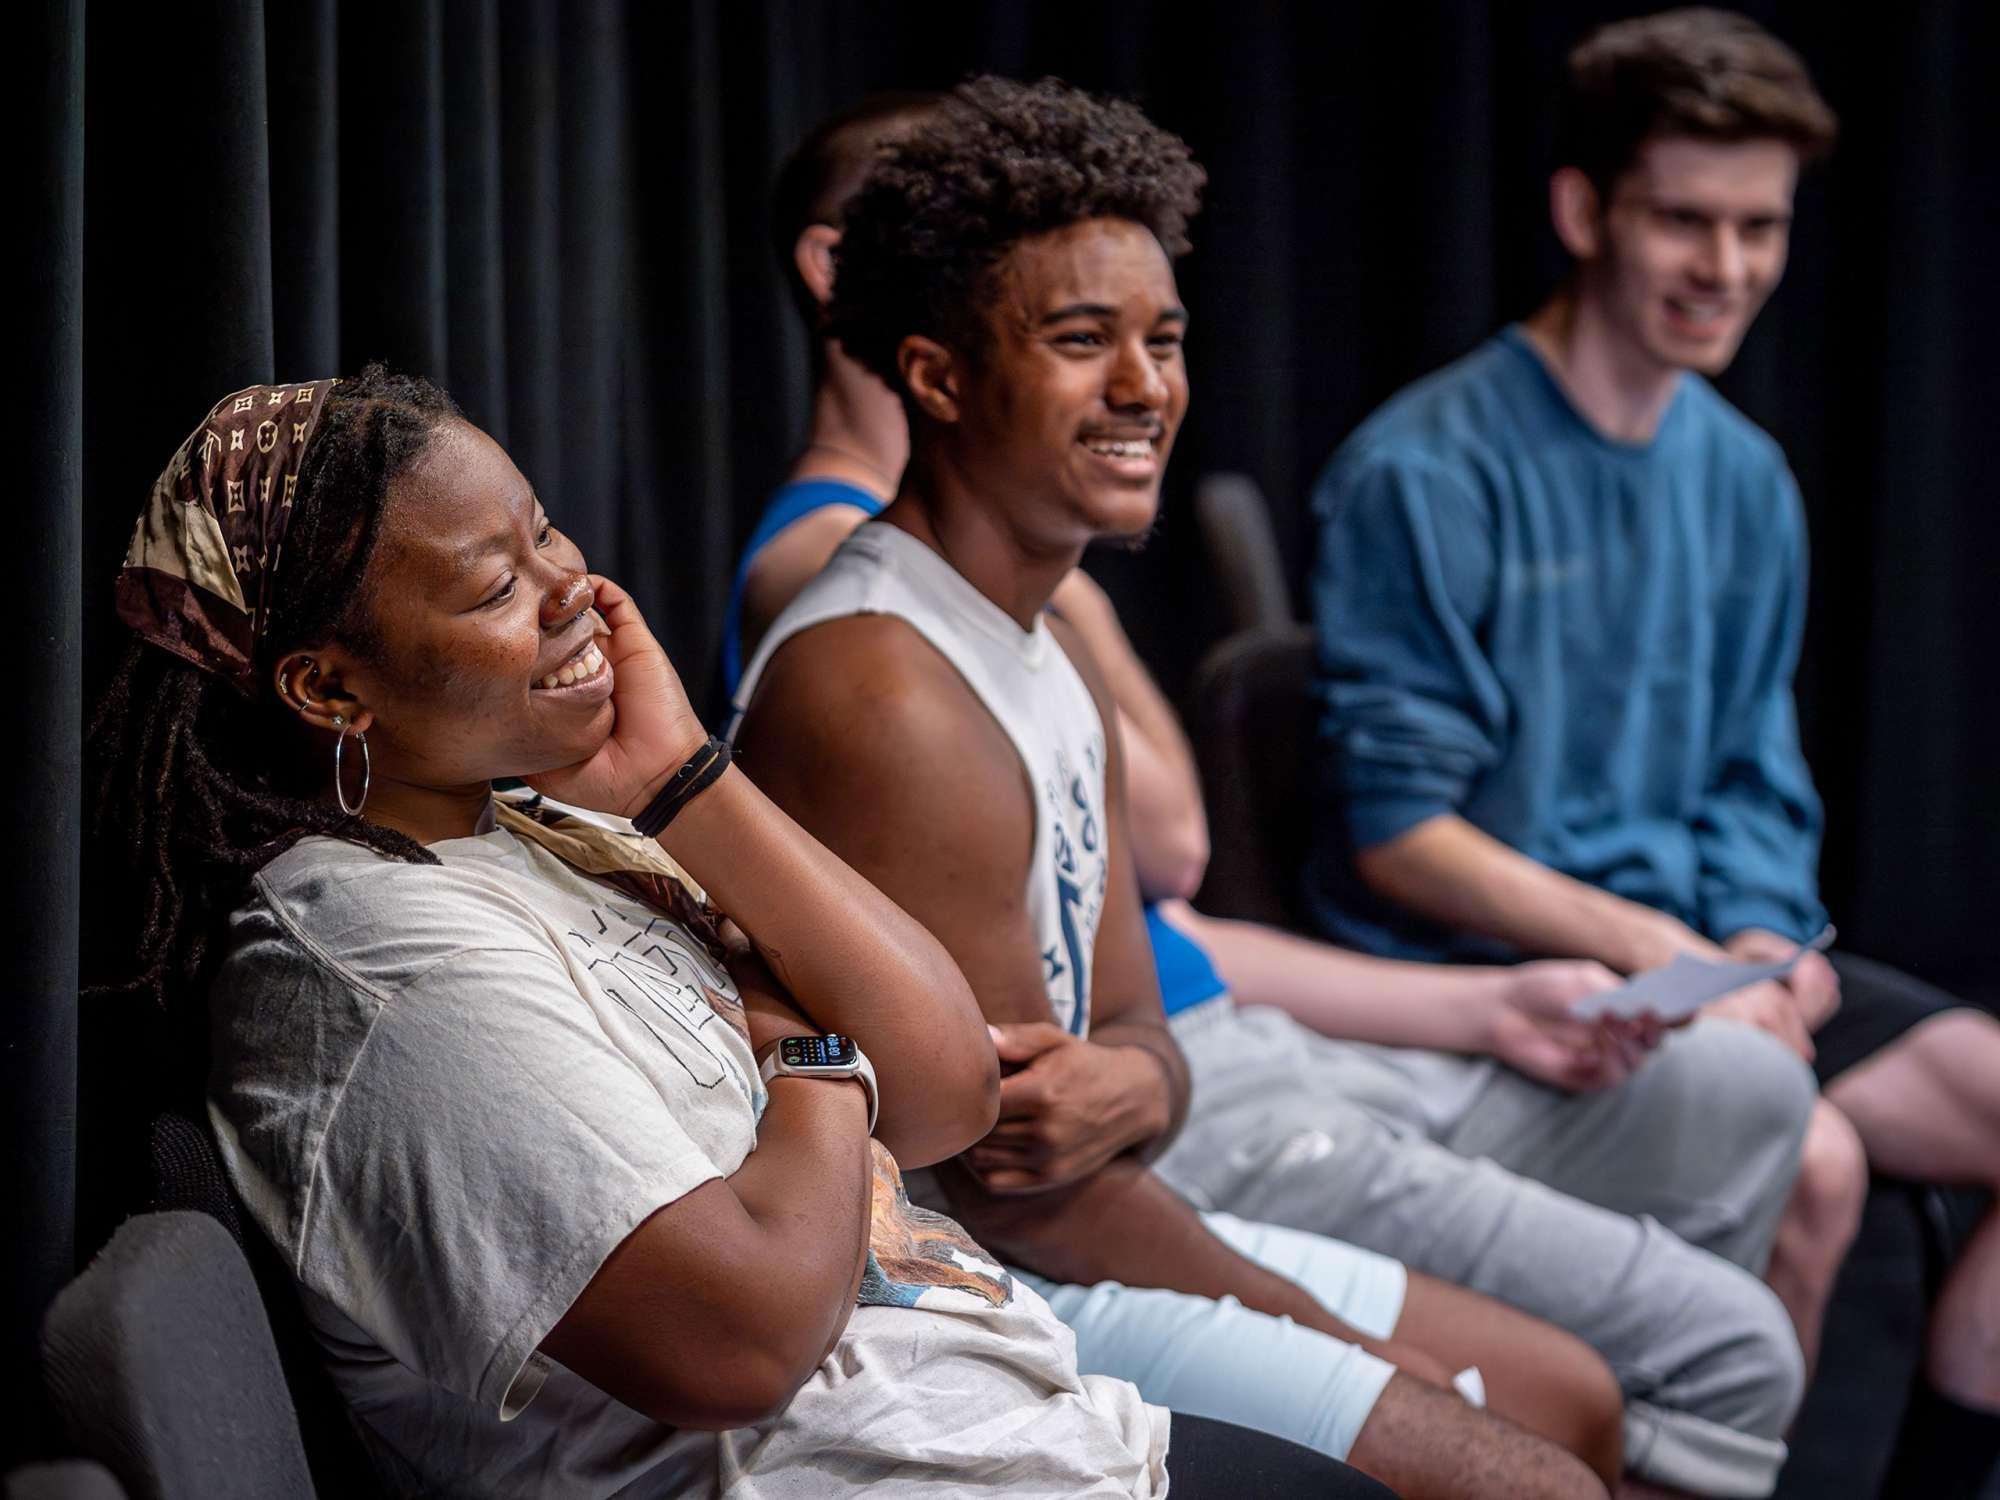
997,162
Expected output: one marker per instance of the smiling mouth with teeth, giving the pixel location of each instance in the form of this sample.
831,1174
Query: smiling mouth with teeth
1125,448
583,666
1697,311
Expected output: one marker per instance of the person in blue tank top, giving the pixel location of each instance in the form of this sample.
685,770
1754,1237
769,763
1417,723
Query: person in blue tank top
1560,595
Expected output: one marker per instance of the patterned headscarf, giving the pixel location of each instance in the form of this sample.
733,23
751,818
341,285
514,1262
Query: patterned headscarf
197,576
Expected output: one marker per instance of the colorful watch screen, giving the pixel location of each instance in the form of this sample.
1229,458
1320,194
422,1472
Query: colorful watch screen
817,1051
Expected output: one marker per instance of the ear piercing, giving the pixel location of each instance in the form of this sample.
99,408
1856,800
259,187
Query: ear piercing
367,770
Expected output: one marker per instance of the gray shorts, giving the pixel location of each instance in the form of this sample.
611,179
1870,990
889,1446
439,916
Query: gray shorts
1638,1218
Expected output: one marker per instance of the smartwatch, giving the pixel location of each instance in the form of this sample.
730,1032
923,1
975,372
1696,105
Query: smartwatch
828,1056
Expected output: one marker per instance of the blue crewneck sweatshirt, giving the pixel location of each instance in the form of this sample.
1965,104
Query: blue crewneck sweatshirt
1583,647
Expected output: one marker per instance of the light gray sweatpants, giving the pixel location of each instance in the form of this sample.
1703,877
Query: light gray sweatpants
1638,1218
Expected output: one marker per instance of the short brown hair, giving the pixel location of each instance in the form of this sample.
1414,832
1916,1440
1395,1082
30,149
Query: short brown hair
1711,74
828,167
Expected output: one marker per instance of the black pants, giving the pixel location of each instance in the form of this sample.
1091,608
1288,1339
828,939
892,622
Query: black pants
1208,1460
1877,1005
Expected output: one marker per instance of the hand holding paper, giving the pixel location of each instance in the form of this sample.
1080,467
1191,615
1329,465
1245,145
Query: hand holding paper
1684,986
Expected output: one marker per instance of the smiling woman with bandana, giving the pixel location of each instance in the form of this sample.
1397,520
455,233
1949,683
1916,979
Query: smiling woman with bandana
489,1078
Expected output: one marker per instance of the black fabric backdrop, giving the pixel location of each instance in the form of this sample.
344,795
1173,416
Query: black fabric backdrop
558,211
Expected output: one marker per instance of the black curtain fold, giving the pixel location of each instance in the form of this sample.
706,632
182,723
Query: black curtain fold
1924,663
580,476
302,55
558,210
475,227
530,210
678,534
393,228
38,1046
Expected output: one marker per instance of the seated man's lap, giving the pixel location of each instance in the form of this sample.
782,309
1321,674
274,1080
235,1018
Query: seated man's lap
1704,1137
1291,1127
1252,1062
1222,1360
1703,1350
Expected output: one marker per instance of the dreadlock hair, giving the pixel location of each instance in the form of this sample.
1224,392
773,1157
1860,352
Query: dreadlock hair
194,792
996,162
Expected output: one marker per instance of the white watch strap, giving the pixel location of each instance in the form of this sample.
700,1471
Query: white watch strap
864,1074
865,1071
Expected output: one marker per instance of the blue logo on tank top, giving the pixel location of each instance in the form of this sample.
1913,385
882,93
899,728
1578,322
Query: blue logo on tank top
1077,849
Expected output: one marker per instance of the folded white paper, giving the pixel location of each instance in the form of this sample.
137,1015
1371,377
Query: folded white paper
1687,984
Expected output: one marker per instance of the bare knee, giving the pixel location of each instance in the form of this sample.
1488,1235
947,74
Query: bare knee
1555,1385
1589,1393
1825,1207
1969,1043
1538,1375
1427,1444
1924,1104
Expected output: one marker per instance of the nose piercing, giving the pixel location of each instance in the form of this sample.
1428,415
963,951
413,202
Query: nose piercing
562,609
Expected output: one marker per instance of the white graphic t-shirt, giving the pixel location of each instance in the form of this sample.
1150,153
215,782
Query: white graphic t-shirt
447,1092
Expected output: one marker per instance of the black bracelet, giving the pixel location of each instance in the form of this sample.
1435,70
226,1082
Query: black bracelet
697,773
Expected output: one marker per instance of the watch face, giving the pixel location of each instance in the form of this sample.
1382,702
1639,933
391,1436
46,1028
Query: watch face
818,1051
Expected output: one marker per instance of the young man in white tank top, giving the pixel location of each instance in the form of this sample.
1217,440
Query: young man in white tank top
1400,1063
920,713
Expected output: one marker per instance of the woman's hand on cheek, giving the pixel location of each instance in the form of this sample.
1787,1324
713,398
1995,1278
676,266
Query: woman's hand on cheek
653,729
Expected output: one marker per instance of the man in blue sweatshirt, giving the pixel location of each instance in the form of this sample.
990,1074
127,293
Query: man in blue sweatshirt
1559,592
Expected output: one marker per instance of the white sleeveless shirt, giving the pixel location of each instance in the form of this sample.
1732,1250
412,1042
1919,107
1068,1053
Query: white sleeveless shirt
1030,687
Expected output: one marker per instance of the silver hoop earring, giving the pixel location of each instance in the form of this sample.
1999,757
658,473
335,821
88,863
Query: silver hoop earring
367,770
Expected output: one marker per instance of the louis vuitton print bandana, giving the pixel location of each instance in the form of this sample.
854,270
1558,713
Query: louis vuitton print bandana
197,577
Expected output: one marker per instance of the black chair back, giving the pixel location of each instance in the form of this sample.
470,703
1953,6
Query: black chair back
64,1479
1250,717
186,1173
1236,529
159,1360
